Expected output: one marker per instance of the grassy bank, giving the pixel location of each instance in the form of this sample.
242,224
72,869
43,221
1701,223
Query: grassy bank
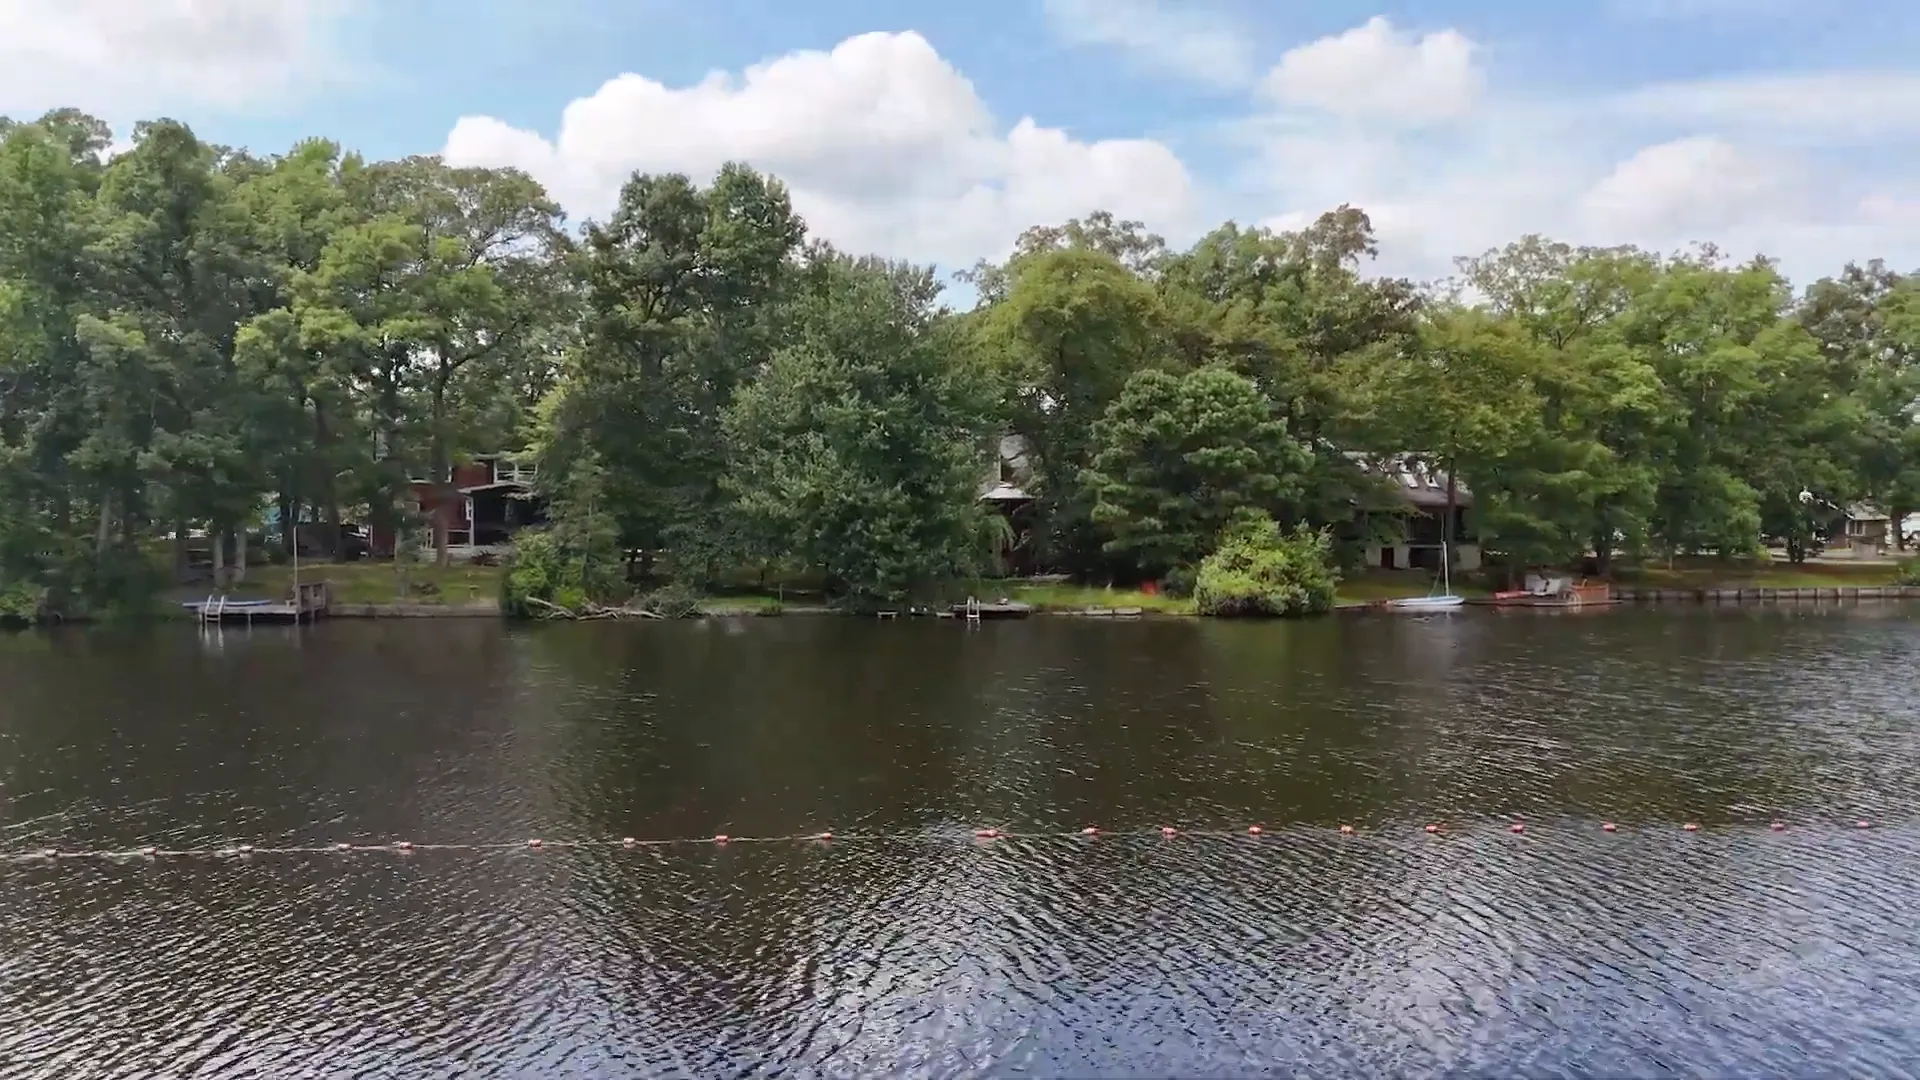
369,582
1757,574
361,583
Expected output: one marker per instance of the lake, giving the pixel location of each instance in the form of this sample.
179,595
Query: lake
906,945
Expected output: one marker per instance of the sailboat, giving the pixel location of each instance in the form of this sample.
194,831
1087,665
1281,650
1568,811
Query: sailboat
1446,601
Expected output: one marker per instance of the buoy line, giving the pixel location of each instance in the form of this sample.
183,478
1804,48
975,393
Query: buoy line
989,834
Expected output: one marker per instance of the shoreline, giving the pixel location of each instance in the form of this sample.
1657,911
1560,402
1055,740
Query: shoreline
1623,596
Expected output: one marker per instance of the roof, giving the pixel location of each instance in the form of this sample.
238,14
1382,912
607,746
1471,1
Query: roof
1865,512
1413,476
498,485
1004,492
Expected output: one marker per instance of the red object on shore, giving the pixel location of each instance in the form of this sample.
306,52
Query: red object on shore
1150,588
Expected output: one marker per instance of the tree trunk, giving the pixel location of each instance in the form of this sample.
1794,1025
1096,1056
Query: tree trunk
217,539
180,559
103,534
442,475
287,503
1603,554
240,554
1447,525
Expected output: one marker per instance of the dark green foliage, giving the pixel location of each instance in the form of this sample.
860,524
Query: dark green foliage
1180,456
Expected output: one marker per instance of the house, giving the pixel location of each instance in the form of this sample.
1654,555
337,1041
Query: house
476,510
1004,491
1865,533
1418,492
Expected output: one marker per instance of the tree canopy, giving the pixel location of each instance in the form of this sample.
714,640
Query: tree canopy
193,337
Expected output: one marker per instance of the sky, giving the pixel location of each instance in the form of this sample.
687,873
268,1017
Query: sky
937,132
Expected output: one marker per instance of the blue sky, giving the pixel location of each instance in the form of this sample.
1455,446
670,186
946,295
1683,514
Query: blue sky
936,132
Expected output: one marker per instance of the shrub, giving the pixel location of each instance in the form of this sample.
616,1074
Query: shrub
1259,571
543,569
1178,583
1908,574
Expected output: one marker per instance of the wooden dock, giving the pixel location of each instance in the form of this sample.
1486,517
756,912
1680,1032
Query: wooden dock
310,600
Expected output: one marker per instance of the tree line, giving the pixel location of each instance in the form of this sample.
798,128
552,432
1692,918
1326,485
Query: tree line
193,336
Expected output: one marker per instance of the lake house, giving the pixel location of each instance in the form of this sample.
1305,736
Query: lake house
477,509
1406,533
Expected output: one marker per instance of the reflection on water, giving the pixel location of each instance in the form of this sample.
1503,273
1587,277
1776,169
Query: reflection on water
911,949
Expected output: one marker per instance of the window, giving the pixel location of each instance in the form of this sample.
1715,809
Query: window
507,471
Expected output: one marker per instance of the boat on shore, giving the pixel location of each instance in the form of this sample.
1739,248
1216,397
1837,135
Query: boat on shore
1444,600
1554,591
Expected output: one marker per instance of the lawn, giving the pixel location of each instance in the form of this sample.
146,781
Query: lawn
1368,586
1758,574
378,582
1067,597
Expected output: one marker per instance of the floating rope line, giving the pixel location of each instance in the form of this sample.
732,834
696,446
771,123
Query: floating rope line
984,835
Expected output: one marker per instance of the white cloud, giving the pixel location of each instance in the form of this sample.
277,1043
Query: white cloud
1171,36
1811,168
130,58
1829,108
1379,73
1700,183
883,144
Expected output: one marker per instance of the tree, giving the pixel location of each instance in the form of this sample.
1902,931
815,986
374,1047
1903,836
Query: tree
856,450
1074,327
682,295
1181,456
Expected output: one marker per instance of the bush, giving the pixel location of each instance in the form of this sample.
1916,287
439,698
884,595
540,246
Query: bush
1908,574
1259,571
543,569
1179,582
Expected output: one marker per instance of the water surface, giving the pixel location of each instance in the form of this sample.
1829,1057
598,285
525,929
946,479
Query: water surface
904,946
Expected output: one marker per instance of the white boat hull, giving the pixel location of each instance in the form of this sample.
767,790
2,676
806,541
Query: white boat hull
1427,603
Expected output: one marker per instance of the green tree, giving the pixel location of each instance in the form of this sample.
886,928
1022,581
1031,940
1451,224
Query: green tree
856,451
1180,456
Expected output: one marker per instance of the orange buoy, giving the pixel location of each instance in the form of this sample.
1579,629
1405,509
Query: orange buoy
627,841
1608,826
1168,830
244,849
343,846
1691,827
1518,827
534,843
1779,826
722,838
1433,828
149,852
1089,831
985,834
824,836
1253,830
1346,830
404,845
1864,823
51,853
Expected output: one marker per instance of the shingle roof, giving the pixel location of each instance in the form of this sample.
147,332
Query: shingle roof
1413,477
